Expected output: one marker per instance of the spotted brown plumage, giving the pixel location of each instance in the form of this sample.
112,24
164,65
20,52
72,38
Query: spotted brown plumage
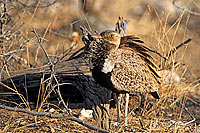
123,65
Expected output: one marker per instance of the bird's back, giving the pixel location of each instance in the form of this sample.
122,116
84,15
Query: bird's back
131,72
129,68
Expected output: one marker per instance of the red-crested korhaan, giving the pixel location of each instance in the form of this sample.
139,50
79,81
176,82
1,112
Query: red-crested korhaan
123,65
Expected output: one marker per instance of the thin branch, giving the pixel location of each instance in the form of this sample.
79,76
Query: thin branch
42,46
52,68
12,53
46,114
177,47
154,51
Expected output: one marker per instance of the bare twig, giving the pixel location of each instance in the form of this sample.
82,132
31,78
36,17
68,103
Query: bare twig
154,51
39,39
52,68
46,114
12,53
177,47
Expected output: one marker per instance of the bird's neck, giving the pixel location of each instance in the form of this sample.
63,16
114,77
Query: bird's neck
111,47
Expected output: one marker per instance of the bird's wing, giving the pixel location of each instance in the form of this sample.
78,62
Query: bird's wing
131,38
131,72
134,43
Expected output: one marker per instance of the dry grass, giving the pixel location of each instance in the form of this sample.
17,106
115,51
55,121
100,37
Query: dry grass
162,27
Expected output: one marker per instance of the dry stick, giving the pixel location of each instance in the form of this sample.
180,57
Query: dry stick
177,47
11,53
46,114
17,50
52,68
45,52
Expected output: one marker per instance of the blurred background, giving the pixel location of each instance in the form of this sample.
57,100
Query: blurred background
162,24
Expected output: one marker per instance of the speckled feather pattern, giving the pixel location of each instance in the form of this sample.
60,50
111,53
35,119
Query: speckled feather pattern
131,71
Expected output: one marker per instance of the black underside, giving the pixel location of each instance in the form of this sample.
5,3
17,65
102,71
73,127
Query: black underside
105,81
102,78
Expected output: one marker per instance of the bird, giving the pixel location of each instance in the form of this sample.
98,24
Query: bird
123,64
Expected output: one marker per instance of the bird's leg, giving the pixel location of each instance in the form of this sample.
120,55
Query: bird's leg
126,108
118,107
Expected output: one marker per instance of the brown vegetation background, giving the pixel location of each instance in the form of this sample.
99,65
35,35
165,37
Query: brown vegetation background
162,24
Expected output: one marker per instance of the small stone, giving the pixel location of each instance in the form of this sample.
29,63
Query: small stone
85,114
51,110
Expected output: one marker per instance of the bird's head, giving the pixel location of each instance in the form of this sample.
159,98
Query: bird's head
112,37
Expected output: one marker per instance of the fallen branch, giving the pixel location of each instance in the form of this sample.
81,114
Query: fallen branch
46,114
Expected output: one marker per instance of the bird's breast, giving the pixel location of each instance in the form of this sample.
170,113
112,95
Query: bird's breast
108,66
